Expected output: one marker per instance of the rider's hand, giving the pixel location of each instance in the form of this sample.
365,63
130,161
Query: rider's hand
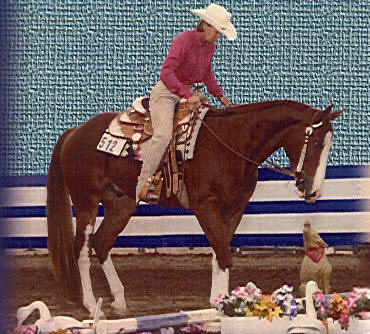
194,101
225,101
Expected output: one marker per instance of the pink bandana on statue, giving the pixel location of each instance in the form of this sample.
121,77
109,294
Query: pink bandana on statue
315,253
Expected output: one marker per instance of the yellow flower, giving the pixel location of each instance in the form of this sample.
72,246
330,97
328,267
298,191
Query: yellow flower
267,308
337,298
248,312
277,311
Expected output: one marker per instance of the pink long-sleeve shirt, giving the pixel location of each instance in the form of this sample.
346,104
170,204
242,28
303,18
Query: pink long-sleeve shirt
189,60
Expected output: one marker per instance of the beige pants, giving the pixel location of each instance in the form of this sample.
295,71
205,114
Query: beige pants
162,104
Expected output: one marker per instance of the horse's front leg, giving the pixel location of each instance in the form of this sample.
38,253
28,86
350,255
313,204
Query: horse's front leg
214,227
220,281
84,233
220,278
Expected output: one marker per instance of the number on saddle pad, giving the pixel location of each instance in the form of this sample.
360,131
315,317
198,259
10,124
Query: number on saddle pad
111,145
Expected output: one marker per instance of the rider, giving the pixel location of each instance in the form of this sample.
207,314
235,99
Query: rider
189,61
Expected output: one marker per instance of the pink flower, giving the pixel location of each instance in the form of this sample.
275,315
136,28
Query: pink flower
26,329
195,328
365,315
351,302
319,296
344,320
218,299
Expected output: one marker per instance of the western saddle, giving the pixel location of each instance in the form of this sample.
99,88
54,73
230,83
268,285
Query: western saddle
135,125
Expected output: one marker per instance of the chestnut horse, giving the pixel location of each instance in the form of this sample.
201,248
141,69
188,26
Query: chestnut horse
220,180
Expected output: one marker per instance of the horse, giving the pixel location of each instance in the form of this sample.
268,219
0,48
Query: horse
220,180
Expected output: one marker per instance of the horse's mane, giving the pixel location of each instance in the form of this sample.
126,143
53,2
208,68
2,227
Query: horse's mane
260,106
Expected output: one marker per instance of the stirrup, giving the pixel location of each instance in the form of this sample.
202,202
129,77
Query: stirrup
151,190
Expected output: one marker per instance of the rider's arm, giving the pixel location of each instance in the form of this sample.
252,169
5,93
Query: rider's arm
211,83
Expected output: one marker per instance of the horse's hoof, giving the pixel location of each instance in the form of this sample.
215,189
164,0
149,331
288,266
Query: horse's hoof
118,310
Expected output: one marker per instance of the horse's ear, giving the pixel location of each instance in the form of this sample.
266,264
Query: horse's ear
335,114
329,108
323,115
332,115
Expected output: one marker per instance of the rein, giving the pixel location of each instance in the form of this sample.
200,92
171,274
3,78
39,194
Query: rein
275,168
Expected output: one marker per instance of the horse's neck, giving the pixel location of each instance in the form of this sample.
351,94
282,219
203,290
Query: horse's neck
262,128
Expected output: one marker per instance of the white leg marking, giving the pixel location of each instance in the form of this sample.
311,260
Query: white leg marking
224,282
84,266
220,280
215,288
116,287
321,168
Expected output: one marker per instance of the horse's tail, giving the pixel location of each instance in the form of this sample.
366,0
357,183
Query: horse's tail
60,229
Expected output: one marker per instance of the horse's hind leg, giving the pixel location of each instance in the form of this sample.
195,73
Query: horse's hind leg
118,211
85,221
117,289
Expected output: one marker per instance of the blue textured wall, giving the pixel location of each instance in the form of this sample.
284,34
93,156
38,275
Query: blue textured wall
66,61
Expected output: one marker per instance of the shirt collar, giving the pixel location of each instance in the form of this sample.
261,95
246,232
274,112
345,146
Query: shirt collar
198,38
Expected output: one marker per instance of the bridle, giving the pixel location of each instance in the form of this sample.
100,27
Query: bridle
299,173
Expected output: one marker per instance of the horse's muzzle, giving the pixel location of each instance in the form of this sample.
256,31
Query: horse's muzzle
303,191
312,197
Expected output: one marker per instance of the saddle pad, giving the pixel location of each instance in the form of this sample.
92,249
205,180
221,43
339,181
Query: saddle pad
188,139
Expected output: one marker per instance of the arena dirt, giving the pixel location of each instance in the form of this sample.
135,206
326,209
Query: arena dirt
156,283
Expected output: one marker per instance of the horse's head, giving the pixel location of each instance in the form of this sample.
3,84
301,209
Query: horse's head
309,152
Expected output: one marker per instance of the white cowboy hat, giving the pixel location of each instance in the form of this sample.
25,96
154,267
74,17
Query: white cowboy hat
218,17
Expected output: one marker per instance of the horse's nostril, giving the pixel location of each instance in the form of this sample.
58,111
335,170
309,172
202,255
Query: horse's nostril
312,197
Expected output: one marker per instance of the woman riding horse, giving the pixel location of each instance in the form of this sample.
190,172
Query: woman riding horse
220,179
188,61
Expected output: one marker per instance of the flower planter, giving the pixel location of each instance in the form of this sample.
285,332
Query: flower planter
356,326
250,301
253,325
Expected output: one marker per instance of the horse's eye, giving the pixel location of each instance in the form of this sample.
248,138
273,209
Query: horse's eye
318,144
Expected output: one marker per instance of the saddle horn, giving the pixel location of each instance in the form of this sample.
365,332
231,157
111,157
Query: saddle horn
197,89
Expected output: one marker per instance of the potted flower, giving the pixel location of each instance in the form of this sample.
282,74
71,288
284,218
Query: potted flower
240,300
283,297
247,310
348,311
358,303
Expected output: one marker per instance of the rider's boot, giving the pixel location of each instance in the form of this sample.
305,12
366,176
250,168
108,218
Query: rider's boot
149,190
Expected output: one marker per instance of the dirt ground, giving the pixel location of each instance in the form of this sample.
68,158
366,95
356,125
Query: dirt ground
156,284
